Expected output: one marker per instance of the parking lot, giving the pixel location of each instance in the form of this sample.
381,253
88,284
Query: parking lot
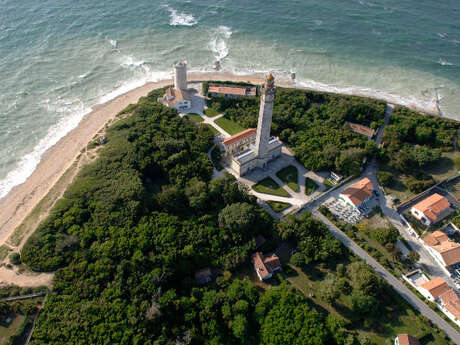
345,213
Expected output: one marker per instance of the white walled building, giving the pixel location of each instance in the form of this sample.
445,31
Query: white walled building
178,96
445,251
358,193
432,209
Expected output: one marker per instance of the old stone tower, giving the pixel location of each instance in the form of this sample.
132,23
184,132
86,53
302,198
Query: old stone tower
268,92
180,75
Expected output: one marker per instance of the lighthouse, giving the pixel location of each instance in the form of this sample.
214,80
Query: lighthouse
268,91
180,75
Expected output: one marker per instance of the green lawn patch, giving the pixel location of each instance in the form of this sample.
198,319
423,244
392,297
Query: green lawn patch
229,126
269,186
278,206
310,186
195,118
289,176
210,112
13,327
211,128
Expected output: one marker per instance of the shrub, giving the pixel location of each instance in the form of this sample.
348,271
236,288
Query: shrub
15,259
385,178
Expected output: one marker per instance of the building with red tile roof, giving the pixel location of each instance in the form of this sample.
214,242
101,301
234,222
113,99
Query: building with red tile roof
240,141
230,91
406,339
434,288
445,251
176,98
358,193
360,129
432,209
265,265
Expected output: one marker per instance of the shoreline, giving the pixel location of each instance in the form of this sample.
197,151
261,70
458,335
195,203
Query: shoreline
22,198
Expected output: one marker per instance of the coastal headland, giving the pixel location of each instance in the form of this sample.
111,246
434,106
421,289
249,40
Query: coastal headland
22,199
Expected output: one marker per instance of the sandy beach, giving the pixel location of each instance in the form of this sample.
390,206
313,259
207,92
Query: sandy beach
21,200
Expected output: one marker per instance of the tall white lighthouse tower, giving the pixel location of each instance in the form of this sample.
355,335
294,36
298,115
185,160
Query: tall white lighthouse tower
180,75
268,91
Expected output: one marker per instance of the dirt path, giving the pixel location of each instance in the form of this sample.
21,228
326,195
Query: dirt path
13,277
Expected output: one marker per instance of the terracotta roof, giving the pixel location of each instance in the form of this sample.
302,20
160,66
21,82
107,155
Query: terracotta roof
273,261
240,136
265,265
451,302
449,250
449,297
360,129
258,262
406,339
435,238
436,287
432,206
359,191
237,90
175,95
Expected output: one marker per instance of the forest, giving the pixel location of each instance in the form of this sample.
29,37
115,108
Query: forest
313,125
134,226
129,234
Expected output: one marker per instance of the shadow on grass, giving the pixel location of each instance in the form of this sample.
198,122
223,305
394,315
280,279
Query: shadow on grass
441,166
313,273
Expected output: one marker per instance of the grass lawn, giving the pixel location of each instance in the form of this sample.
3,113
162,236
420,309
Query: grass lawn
195,118
6,332
289,176
454,188
278,206
211,128
210,112
399,187
310,186
229,126
269,186
448,165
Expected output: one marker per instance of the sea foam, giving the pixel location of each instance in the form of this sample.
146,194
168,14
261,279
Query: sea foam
29,162
219,42
180,18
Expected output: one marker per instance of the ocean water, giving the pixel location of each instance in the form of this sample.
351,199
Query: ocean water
59,58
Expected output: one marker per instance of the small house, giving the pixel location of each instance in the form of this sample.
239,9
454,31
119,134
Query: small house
265,265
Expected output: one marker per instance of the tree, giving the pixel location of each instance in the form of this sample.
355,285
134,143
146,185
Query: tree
363,304
385,178
364,279
15,259
413,257
300,325
298,259
237,218
240,326
329,290
197,193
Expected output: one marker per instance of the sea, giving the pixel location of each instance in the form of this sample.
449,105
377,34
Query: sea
60,58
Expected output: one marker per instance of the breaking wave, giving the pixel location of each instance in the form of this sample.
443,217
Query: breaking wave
180,18
219,42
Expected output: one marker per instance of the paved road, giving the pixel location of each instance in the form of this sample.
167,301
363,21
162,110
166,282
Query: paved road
408,295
